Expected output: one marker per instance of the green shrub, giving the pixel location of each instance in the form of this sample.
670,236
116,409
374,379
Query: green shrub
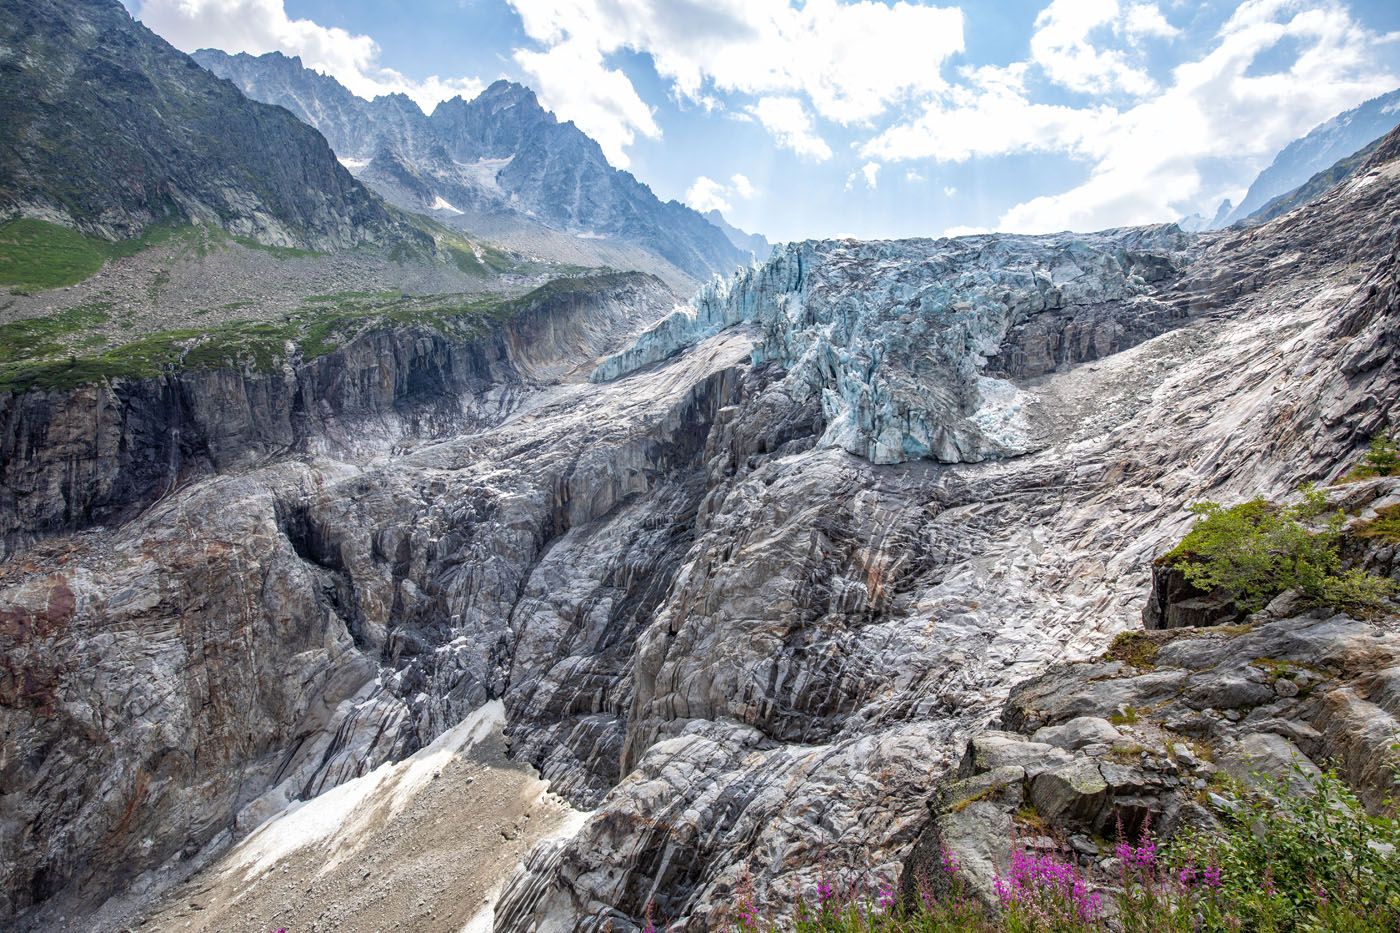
1385,526
1309,861
1257,549
1382,459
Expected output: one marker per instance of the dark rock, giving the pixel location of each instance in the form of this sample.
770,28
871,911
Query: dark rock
1175,603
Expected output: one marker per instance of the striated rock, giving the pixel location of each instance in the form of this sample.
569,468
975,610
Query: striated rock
748,652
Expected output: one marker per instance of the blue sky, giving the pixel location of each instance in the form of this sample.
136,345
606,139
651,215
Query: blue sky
807,118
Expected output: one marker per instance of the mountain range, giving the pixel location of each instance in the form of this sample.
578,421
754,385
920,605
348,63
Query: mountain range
1316,152
499,164
111,130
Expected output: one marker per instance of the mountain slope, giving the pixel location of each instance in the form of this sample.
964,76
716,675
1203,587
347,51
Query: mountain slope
110,129
500,155
713,620
1323,146
755,244
1315,186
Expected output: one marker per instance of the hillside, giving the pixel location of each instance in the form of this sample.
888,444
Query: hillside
111,130
1320,148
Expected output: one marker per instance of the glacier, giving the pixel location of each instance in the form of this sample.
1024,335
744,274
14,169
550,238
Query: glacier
900,339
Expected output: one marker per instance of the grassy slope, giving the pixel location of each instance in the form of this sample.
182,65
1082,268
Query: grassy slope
324,323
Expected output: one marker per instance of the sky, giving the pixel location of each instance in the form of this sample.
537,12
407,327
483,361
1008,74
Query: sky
819,118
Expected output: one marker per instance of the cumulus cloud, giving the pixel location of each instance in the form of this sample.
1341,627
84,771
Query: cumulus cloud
572,80
848,62
1062,47
706,194
260,26
1147,157
791,126
869,173
1145,21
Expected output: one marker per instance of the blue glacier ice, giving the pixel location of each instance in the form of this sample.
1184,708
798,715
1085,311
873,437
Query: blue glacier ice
895,337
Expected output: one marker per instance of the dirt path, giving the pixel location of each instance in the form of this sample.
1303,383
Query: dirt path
421,845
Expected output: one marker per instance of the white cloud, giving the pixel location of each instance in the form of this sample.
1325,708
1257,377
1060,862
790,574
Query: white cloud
912,176
1145,21
1061,46
848,62
991,115
1147,160
706,194
259,26
791,126
950,191
573,81
869,173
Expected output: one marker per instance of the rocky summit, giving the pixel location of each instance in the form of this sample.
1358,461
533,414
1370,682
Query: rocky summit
500,162
463,590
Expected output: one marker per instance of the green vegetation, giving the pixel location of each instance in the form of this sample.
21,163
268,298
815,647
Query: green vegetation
321,326
36,337
1134,648
1257,549
1386,525
1301,861
1382,459
35,254
1280,862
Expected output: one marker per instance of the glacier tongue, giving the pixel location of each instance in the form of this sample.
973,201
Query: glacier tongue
907,344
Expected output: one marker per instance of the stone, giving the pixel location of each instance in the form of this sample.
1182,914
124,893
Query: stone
1078,732
1072,794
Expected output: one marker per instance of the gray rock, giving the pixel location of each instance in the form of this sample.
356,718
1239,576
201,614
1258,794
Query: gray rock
1079,732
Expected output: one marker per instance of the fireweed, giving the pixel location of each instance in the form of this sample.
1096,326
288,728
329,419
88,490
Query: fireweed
1312,862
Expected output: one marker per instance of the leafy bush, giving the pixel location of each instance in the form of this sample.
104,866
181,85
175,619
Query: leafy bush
1310,861
1257,549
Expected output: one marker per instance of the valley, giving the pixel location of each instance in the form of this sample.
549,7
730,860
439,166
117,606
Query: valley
381,564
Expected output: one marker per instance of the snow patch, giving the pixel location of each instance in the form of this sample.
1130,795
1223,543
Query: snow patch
440,204
353,164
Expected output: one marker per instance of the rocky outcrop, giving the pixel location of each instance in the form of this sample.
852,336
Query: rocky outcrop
1097,751
111,130
1175,603
101,453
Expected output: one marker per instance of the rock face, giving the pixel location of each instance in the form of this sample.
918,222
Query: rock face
1271,703
747,650
103,452
499,154
110,129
